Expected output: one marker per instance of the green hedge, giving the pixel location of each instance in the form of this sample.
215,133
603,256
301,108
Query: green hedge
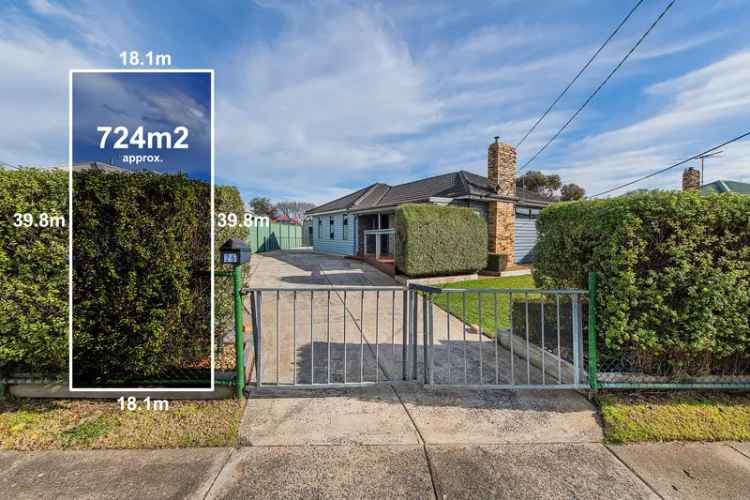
33,274
674,277
438,240
140,274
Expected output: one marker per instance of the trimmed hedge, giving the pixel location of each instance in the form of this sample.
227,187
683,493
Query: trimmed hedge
674,295
435,240
141,279
33,274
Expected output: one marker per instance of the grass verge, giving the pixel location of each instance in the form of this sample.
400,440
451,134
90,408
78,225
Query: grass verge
28,424
453,303
675,416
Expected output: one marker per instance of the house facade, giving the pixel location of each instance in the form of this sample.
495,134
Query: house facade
361,224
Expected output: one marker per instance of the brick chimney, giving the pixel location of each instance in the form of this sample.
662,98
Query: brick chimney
691,179
501,168
501,172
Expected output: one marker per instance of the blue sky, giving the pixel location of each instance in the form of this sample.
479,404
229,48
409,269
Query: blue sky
315,99
155,101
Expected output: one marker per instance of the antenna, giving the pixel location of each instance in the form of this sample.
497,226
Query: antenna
715,154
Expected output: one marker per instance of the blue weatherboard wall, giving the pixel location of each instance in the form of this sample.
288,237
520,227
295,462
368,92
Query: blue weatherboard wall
323,243
525,240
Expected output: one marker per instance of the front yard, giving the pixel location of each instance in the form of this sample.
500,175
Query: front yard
494,308
28,424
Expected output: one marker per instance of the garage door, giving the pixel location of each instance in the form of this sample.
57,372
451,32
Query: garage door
525,234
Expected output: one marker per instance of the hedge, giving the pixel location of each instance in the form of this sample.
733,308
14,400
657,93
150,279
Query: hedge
141,282
674,293
437,240
33,274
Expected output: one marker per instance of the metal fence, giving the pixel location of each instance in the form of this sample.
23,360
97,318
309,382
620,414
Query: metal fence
633,367
501,338
494,338
275,236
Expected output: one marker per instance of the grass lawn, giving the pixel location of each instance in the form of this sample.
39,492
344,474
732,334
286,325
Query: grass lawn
453,303
28,424
675,416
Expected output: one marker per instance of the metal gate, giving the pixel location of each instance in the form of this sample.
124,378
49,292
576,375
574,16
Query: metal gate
489,338
502,338
328,336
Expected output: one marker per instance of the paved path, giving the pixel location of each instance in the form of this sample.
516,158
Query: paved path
387,441
512,470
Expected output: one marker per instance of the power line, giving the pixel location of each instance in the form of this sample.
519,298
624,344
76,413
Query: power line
661,171
580,72
622,61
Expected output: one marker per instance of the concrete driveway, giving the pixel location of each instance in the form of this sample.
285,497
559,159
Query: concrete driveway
339,336
305,268
336,336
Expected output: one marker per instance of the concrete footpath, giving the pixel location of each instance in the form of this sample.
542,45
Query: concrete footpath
396,442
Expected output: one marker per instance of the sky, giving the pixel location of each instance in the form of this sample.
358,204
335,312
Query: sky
315,99
157,102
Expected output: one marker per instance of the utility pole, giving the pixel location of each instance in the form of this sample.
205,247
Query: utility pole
715,154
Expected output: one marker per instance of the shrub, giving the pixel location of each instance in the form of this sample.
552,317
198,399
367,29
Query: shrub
142,304
33,273
227,200
674,293
434,240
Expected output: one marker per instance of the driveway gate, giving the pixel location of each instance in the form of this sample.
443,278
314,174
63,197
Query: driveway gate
476,337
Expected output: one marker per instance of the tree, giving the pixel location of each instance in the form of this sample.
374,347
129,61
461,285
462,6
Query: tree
570,192
260,205
294,209
537,182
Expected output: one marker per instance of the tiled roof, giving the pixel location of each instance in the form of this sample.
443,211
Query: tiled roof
726,187
452,185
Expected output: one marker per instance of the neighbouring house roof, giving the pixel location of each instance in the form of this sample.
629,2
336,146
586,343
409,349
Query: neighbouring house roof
460,184
726,187
92,165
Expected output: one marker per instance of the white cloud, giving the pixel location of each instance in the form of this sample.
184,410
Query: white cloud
317,106
34,125
46,8
697,110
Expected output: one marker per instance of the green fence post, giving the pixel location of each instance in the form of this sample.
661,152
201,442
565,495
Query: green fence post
592,334
239,335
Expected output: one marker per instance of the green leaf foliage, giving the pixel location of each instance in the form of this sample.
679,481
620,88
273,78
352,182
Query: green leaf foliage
674,286
141,279
438,240
33,273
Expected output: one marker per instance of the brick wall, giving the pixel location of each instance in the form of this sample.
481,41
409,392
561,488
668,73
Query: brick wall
691,179
501,171
501,228
501,168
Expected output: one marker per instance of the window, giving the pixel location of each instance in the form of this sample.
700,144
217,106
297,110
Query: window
345,231
320,228
331,227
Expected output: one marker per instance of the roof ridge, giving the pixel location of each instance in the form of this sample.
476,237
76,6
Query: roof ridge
424,179
369,190
464,181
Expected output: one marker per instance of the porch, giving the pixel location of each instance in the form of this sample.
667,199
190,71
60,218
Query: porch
376,242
